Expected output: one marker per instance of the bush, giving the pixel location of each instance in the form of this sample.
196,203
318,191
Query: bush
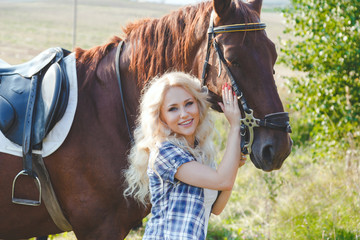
326,46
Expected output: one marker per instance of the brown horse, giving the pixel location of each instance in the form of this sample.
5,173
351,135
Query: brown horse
86,171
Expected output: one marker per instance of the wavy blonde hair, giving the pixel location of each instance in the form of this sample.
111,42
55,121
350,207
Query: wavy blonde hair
151,131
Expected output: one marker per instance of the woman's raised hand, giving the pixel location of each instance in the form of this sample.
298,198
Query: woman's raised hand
230,106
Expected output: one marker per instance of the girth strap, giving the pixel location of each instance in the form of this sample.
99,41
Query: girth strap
48,194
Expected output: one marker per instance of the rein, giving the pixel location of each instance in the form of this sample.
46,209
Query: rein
117,65
278,121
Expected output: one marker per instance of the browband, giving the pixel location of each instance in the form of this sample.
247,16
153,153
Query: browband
244,27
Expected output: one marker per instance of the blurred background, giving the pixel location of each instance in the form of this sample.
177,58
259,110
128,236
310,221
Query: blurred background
316,194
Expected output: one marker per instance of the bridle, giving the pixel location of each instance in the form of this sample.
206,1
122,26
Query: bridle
278,121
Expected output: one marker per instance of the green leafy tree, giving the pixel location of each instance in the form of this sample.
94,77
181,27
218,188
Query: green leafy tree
325,45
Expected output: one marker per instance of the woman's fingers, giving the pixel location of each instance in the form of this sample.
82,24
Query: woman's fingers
224,94
228,95
230,105
242,160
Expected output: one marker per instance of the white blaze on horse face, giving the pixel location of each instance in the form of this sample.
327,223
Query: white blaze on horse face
180,112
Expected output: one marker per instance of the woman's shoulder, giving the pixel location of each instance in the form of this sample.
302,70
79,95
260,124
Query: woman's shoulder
168,158
168,148
170,151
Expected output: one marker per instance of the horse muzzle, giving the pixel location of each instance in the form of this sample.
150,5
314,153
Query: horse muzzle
272,143
270,149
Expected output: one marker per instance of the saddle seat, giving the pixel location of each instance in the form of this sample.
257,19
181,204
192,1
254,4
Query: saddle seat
40,82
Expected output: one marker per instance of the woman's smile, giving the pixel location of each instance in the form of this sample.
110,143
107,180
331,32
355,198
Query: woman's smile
187,123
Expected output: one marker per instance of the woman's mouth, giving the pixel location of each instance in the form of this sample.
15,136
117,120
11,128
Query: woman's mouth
187,122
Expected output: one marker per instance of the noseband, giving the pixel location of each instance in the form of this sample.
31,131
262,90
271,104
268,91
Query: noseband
278,121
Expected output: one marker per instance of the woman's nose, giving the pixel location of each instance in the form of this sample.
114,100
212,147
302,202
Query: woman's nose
183,113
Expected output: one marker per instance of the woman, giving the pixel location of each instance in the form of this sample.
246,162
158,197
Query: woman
172,160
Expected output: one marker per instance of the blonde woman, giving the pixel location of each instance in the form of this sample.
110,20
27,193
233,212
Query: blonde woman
172,160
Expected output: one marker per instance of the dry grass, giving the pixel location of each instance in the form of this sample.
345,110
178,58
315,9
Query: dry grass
29,28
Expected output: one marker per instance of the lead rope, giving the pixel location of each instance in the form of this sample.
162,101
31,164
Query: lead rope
117,66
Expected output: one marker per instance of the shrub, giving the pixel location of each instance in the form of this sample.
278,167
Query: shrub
326,46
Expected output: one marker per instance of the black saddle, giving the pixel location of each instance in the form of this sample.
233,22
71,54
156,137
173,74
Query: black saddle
49,98
33,98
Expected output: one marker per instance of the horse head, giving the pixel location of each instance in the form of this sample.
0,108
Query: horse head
239,52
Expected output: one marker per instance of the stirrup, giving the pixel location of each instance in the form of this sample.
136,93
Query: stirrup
22,201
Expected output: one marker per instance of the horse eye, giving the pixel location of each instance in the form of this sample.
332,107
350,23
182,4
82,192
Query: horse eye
235,64
273,71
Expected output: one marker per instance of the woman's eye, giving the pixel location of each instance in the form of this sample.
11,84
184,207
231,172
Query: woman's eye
189,103
172,109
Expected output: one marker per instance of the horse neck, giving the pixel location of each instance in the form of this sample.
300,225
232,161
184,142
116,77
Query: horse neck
170,43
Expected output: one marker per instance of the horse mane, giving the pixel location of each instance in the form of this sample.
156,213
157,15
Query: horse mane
88,60
161,44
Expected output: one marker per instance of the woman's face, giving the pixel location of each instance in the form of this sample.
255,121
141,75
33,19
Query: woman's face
180,112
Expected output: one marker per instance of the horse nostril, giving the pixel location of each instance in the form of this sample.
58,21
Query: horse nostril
268,153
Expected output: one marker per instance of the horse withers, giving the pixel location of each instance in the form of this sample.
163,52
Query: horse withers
87,170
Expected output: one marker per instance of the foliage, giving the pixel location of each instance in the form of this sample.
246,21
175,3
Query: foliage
326,46
301,201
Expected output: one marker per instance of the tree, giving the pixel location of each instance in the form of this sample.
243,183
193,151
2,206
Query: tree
326,46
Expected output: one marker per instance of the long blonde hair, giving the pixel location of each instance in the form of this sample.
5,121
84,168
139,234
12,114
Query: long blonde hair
151,131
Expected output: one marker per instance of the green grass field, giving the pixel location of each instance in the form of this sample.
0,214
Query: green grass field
303,200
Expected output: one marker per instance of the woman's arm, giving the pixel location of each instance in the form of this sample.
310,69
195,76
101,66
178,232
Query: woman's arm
222,178
221,202
197,174
224,196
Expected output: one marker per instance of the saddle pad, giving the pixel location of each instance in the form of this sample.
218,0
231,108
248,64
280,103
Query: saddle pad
58,134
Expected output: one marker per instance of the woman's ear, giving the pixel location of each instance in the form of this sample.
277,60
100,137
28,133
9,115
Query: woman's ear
164,127
161,122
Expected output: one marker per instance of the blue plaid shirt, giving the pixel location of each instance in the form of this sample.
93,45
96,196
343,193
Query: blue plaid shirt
178,211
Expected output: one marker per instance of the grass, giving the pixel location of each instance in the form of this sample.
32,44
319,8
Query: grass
29,28
303,200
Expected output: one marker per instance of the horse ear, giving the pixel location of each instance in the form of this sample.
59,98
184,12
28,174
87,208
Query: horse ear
221,6
255,5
